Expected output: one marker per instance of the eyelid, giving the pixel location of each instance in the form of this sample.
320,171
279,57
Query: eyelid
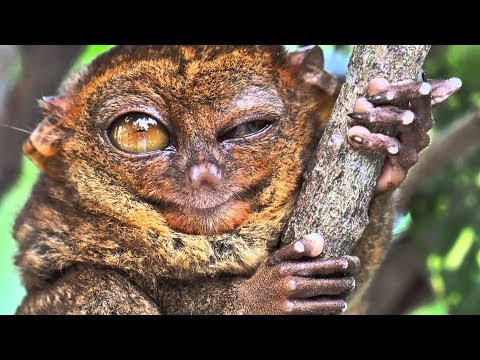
271,122
148,110
245,120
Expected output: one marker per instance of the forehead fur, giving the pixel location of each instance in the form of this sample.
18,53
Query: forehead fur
184,59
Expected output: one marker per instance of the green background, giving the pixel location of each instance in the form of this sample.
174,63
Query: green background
11,290
444,221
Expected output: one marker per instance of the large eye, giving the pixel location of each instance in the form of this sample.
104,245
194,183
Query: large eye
246,129
138,133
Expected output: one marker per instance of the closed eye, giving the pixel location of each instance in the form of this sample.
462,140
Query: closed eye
250,128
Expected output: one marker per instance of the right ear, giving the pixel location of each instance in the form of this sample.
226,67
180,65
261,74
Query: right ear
44,144
308,63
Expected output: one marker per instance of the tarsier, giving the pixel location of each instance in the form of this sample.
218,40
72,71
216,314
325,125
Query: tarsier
168,173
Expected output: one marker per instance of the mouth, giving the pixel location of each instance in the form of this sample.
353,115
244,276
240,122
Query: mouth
205,209
199,203
207,214
212,220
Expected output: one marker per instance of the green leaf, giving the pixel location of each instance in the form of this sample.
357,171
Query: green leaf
403,224
434,263
291,47
459,250
437,307
11,289
90,53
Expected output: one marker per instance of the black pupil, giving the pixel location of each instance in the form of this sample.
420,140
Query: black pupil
243,130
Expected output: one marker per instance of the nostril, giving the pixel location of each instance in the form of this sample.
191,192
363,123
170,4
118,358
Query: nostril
193,174
205,173
215,172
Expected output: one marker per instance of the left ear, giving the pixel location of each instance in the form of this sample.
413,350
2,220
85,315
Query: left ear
44,144
308,63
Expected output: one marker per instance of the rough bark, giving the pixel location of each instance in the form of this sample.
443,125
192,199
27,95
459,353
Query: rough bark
339,184
43,67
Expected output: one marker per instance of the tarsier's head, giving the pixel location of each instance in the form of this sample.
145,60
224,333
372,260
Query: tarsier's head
203,140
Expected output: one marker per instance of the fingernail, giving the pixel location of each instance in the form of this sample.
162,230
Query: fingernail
345,307
425,89
357,139
389,96
355,116
314,237
353,284
393,149
375,98
299,247
316,244
292,284
289,306
407,117
455,82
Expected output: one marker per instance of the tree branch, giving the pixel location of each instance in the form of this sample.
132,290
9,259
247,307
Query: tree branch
338,186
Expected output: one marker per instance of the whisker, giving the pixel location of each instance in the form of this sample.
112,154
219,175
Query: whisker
16,128
236,194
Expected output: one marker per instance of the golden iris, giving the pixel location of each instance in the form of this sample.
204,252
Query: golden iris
138,133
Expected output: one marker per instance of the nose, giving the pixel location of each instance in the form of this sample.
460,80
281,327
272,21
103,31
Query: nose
204,173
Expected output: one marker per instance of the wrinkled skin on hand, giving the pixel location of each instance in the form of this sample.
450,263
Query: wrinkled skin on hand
407,105
293,281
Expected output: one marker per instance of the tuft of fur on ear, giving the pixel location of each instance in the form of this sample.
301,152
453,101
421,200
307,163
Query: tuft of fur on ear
45,142
307,56
308,62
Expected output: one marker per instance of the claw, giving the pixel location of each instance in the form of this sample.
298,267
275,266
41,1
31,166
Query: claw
357,139
356,116
375,98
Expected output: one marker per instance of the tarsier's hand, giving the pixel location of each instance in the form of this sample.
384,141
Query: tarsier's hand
407,105
292,281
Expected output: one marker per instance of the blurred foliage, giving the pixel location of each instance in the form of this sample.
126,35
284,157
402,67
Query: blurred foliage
444,221
446,212
90,53
11,290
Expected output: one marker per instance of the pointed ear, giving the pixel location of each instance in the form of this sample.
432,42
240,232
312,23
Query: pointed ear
45,142
308,62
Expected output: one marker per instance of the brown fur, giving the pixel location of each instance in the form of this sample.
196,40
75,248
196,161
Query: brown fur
129,218
84,290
